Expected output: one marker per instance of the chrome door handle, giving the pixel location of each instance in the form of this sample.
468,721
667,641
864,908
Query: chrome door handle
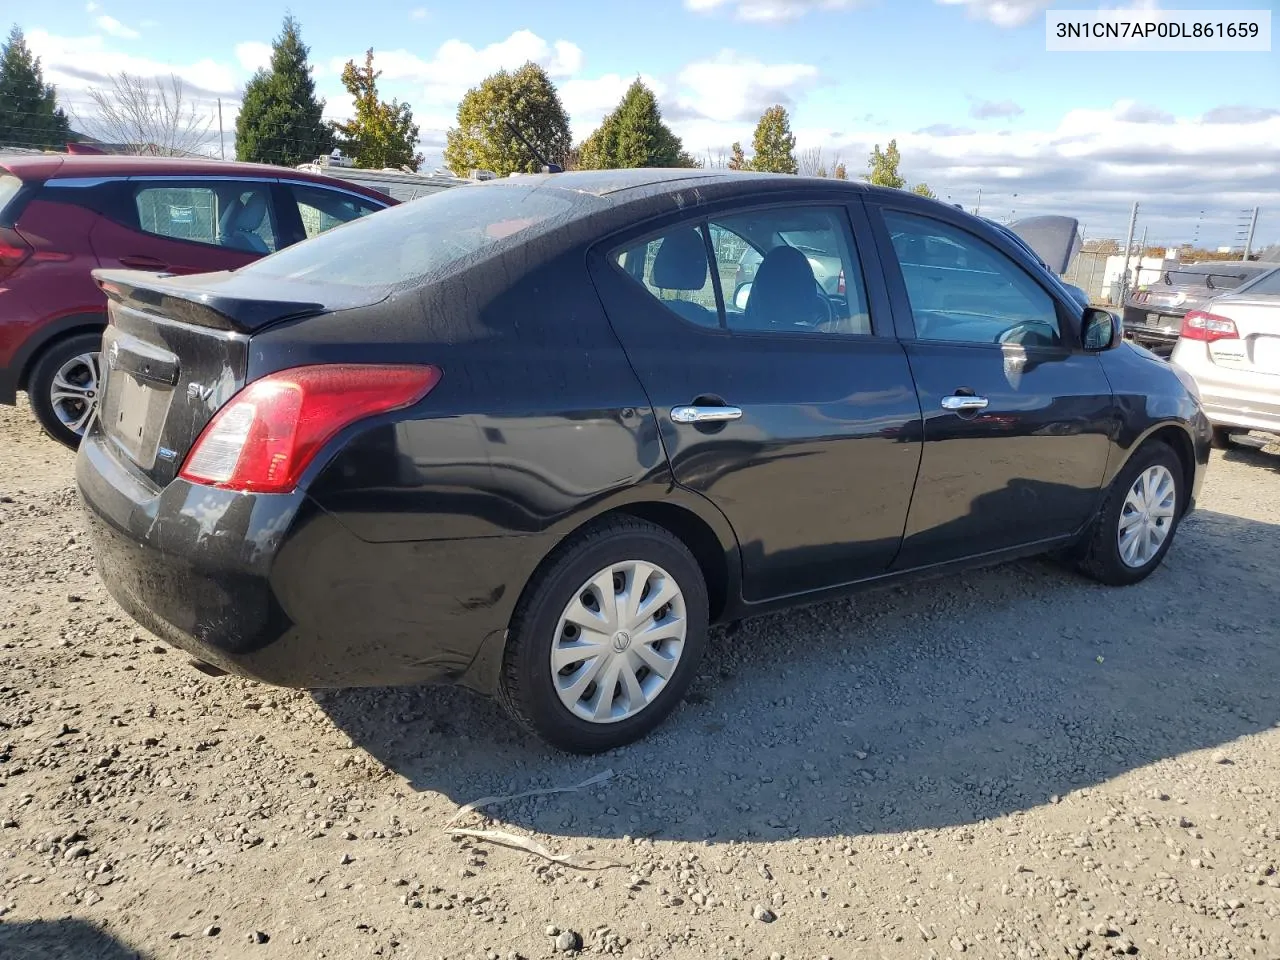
962,403
704,414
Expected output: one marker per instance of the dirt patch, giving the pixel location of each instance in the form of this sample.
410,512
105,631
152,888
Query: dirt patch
1016,763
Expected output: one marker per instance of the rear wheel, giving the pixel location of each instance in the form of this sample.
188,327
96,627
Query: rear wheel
607,638
1135,527
64,387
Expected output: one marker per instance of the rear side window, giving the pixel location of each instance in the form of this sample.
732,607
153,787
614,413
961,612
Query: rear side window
424,239
322,209
779,270
1212,276
235,215
9,187
675,269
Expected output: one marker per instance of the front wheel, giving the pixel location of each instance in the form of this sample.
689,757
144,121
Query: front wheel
1135,527
607,638
65,385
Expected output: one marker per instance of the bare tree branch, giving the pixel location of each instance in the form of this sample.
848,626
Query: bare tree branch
149,116
810,162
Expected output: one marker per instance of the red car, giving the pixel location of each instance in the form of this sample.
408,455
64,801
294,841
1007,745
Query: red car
63,216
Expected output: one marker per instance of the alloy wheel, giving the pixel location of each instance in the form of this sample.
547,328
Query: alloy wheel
75,391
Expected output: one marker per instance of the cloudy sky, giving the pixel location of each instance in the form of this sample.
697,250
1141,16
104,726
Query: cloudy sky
965,86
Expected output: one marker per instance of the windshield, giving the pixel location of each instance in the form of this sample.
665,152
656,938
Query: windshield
426,238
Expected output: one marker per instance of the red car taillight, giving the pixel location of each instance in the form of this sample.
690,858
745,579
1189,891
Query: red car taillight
1198,325
13,251
267,434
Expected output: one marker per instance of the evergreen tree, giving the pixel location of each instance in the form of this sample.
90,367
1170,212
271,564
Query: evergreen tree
29,111
280,118
381,134
495,116
738,159
774,144
633,135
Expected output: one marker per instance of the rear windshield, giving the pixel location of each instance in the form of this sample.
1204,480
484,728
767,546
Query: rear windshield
1217,276
424,239
9,187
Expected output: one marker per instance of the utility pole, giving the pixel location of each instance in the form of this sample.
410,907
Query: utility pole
978,205
1248,240
1128,248
1142,250
222,144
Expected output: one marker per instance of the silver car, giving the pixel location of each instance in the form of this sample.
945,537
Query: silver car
1231,347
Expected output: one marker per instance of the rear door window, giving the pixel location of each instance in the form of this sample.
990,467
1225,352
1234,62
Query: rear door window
322,209
232,214
674,268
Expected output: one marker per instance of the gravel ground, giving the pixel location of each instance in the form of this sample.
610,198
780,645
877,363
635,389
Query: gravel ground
1015,763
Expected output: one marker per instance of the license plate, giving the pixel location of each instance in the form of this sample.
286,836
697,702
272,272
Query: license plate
129,408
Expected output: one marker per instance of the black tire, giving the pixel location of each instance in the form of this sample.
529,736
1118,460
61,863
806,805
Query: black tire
1099,557
1222,439
40,383
527,689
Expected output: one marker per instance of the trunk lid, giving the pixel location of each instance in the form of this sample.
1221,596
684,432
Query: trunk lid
1257,320
176,349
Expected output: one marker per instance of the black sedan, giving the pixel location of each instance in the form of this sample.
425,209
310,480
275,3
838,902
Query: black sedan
523,435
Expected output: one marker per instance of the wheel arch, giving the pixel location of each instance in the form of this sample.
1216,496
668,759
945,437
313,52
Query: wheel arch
1175,435
50,336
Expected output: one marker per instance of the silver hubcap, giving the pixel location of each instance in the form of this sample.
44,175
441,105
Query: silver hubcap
1147,516
618,642
74,392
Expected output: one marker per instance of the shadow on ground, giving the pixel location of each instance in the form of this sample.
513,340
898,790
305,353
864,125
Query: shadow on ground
1257,450
930,705
61,940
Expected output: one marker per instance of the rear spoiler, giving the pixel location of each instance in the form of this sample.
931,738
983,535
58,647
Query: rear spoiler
198,301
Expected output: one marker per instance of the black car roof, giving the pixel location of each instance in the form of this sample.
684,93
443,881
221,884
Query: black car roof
651,181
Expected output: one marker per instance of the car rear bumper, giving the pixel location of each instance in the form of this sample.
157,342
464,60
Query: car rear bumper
273,588
1243,399
1152,326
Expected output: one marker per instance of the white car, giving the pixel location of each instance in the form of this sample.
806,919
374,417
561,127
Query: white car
1231,348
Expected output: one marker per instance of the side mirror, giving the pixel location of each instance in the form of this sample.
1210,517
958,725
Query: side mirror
1103,330
741,295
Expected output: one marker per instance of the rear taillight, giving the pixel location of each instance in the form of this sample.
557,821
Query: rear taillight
264,438
840,282
13,251
1198,325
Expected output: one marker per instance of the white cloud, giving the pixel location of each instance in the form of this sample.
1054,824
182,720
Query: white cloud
76,63
458,66
420,13
1092,164
1003,13
588,100
254,55
768,11
115,28
91,7
1017,13
990,109
731,87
